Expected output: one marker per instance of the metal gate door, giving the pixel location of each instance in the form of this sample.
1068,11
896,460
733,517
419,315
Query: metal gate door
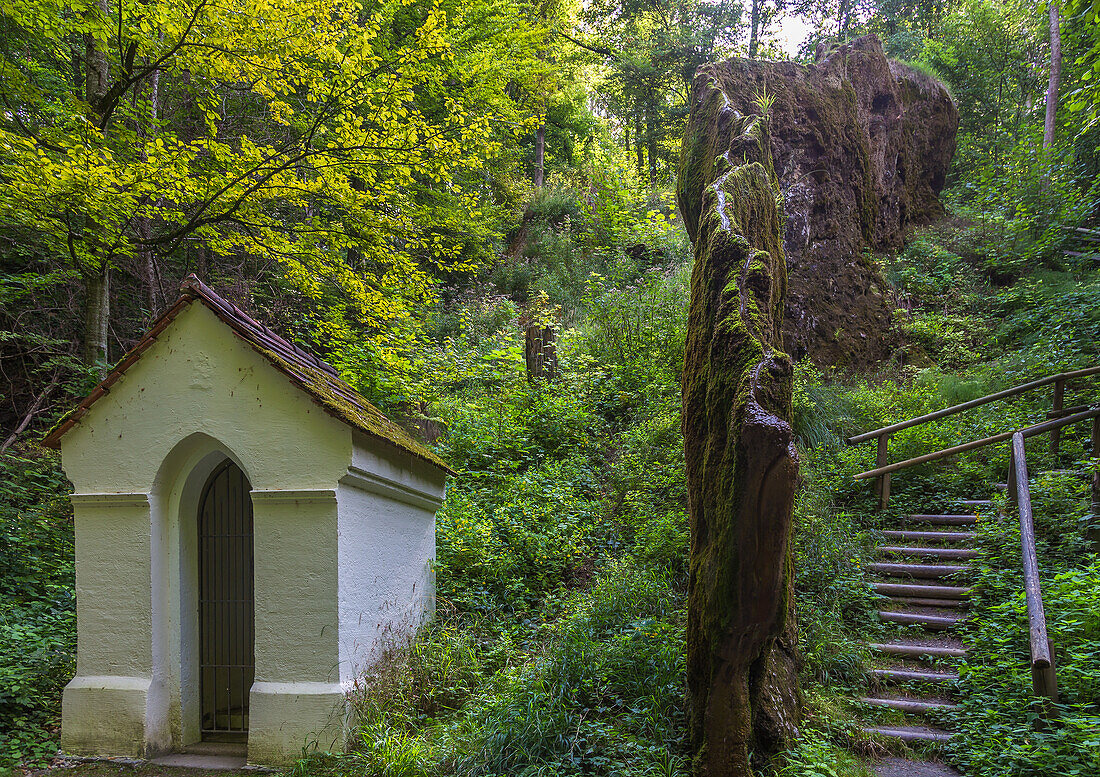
226,619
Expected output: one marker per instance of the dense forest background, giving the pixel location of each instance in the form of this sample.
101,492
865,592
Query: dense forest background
401,186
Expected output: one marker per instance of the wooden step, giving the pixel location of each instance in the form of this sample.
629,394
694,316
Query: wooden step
933,622
917,550
930,536
911,676
910,601
946,520
912,650
916,570
909,733
921,591
974,502
907,705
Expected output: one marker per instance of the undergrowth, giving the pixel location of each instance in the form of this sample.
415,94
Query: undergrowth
558,647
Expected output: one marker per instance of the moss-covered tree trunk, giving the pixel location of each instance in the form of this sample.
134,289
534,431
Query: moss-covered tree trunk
742,466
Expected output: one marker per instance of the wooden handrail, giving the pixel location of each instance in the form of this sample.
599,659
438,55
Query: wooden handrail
1044,681
1029,431
1061,377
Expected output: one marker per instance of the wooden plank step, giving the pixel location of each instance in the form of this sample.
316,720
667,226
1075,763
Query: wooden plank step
921,591
933,622
917,550
912,675
916,570
907,705
930,536
909,733
974,502
909,650
910,601
946,520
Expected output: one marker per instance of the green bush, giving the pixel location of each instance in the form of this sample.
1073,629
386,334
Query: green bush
814,755
998,721
606,698
639,330
37,617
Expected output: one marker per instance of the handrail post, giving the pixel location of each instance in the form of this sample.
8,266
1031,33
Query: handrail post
1011,494
1059,400
1044,682
1043,679
883,480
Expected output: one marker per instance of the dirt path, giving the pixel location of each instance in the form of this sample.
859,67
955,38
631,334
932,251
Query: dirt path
901,767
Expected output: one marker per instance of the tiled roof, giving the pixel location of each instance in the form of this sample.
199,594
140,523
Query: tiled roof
312,375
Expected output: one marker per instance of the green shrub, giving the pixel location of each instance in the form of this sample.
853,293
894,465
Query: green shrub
639,330
37,614
999,716
814,755
605,699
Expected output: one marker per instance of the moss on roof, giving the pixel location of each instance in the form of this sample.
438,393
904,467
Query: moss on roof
333,395
304,369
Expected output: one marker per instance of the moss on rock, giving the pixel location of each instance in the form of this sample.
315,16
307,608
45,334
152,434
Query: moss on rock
742,467
861,147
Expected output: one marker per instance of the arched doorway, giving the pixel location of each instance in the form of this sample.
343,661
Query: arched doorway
227,663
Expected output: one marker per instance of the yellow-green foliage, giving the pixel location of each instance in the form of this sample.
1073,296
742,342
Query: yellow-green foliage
327,136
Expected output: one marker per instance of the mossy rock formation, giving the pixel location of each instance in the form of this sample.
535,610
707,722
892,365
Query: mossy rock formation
861,146
742,466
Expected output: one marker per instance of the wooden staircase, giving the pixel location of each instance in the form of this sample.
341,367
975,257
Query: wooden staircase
923,576
923,571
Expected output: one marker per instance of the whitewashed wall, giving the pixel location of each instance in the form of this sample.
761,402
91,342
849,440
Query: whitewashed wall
344,537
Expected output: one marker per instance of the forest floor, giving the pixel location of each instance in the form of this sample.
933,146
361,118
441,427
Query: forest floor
887,767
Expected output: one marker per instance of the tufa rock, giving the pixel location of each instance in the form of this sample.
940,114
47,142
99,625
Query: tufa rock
742,466
861,147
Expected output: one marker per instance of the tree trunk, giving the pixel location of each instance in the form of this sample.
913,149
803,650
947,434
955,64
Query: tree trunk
97,310
96,71
741,461
540,154
144,224
540,352
754,32
651,143
638,145
1055,74
97,280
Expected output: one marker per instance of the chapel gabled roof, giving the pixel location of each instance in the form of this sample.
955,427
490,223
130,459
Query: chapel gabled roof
310,374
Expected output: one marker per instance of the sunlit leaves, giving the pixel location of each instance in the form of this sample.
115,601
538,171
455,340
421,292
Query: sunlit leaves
342,140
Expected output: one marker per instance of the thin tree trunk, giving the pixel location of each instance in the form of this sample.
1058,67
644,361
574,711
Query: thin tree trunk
651,144
145,225
540,352
34,408
540,153
638,145
754,33
97,280
845,13
95,70
97,311
1055,73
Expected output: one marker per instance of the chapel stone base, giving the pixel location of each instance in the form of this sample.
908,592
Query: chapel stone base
105,716
110,716
288,719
